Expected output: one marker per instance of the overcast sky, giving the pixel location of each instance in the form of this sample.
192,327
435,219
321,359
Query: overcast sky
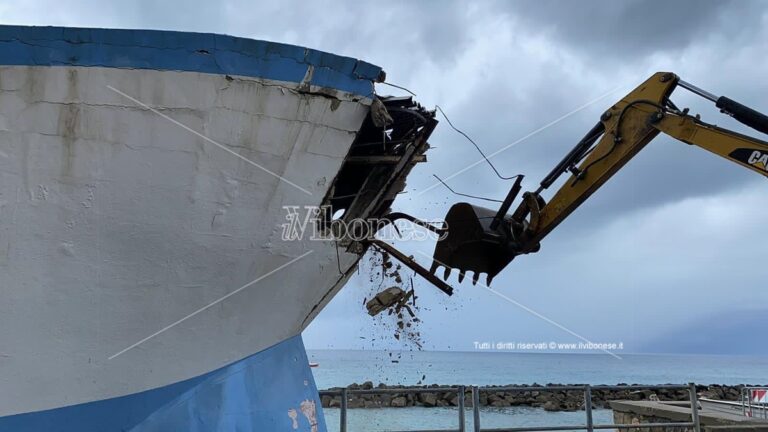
673,245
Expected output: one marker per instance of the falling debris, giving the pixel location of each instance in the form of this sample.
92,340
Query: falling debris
392,296
400,320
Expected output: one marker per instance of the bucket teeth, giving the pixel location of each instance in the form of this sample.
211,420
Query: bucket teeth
461,275
475,277
447,273
488,280
434,267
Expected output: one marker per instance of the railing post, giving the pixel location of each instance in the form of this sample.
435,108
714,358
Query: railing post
476,407
694,407
343,412
743,403
588,407
462,422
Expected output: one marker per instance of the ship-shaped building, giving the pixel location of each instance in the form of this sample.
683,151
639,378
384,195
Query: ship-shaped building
146,281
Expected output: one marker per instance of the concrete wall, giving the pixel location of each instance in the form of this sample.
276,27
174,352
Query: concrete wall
629,417
643,412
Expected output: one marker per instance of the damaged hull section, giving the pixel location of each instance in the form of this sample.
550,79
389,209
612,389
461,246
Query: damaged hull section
145,282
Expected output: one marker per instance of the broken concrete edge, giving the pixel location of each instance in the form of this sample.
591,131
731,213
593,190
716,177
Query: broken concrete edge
375,169
382,180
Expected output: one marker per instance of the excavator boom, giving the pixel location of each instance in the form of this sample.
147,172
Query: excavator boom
481,240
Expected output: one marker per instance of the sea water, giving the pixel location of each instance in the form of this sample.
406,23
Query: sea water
339,368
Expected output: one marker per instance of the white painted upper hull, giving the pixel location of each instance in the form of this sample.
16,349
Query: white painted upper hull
116,221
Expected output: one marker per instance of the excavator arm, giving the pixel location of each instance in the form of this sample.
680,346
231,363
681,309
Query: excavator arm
481,240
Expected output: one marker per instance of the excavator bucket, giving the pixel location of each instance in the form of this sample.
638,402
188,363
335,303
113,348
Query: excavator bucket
474,243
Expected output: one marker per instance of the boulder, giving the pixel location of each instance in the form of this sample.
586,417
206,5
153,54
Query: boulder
356,403
325,401
494,397
428,399
398,402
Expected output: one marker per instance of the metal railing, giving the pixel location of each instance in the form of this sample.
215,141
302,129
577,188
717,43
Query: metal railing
460,391
750,406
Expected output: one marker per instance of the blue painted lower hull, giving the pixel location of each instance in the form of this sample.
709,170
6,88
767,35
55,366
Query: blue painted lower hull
272,390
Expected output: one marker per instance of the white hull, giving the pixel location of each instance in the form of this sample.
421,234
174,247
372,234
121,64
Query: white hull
144,281
116,223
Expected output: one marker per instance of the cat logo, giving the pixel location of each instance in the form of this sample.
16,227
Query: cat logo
755,158
759,159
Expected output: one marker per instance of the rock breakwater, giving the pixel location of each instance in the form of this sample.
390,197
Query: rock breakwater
534,395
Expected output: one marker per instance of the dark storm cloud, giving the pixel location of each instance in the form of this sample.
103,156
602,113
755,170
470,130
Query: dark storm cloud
634,28
727,36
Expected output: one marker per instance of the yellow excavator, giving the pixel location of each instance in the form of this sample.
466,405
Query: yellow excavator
480,240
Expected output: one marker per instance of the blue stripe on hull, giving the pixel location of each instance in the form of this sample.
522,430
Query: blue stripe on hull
264,392
183,51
